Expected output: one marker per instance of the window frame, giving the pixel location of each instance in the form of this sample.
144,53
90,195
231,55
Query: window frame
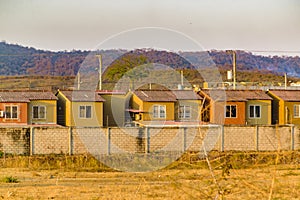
231,105
294,114
85,112
159,109
183,115
11,113
255,106
39,112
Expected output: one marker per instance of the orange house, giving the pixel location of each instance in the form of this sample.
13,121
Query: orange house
238,107
13,108
27,107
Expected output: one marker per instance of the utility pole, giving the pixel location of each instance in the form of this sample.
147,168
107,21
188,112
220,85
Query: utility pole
100,72
233,66
285,81
78,81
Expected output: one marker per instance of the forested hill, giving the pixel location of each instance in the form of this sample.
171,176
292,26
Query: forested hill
19,60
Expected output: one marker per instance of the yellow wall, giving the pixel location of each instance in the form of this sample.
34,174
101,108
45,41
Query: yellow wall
70,113
266,112
195,109
96,118
50,112
291,119
147,107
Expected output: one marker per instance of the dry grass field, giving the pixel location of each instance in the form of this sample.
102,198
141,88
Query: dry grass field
232,176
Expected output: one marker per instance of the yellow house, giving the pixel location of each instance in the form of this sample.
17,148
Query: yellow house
285,106
113,107
153,105
79,108
42,107
188,106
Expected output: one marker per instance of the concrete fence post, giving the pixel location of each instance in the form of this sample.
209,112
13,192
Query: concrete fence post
293,138
256,138
222,137
108,141
31,141
70,140
184,139
147,143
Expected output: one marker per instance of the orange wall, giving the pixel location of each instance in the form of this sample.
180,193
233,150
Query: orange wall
241,115
22,113
217,113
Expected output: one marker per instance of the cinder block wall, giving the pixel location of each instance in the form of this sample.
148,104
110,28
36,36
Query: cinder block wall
15,140
127,140
103,141
239,138
48,140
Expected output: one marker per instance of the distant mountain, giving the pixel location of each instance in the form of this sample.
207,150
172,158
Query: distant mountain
19,60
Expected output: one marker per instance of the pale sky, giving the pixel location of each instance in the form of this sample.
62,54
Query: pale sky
264,25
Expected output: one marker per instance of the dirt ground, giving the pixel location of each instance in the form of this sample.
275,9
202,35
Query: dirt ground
259,183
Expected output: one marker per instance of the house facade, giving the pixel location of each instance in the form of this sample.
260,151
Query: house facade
27,107
113,107
42,108
285,106
187,106
237,107
153,105
79,108
165,107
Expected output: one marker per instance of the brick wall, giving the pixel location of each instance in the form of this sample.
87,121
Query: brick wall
103,141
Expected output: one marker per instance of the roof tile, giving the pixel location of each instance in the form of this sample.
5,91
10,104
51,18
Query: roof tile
82,96
287,95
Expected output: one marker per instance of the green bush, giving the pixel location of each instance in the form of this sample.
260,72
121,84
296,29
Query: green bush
10,179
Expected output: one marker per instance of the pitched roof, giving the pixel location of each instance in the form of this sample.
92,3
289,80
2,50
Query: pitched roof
82,96
25,96
110,92
287,95
186,95
36,95
155,95
236,95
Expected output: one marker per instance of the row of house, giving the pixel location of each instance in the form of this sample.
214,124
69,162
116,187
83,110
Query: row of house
150,107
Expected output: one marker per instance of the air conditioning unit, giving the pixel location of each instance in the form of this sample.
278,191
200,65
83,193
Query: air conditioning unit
137,117
2,114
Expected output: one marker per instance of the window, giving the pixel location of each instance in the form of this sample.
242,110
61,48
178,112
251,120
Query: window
254,111
85,111
184,112
11,112
159,111
230,111
38,112
296,110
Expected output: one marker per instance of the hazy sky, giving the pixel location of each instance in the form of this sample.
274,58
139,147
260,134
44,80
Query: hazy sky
266,25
